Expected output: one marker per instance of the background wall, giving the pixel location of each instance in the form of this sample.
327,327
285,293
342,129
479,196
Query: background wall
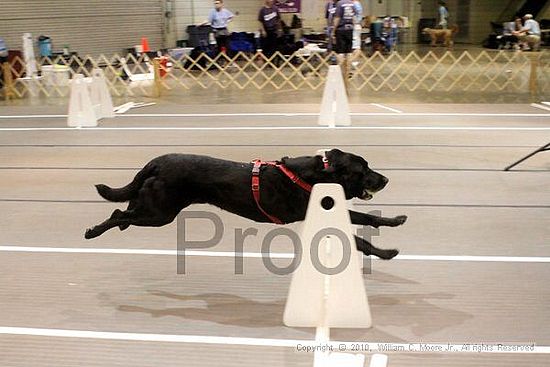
87,26
110,26
481,14
472,17
313,16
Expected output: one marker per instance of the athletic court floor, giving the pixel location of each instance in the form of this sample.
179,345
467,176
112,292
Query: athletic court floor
474,266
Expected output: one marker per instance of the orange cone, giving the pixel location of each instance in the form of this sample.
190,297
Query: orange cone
145,44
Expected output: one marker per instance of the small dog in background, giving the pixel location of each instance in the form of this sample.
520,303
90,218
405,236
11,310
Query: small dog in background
443,35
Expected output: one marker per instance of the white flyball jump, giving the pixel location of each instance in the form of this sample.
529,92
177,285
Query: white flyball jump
327,288
101,98
334,106
89,101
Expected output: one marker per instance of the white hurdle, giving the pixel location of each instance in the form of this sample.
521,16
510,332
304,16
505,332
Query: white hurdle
101,98
89,101
327,288
334,106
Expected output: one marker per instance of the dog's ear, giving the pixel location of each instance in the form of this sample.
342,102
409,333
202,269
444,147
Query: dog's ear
337,161
343,163
335,153
335,156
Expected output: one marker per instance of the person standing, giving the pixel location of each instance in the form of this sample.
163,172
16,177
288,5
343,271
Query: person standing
271,27
443,15
330,9
219,18
3,58
343,33
356,40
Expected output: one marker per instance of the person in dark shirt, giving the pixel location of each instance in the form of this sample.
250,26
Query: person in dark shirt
271,28
330,9
3,58
343,33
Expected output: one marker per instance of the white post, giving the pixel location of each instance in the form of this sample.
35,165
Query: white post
28,54
81,111
333,259
327,288
101,98
334,106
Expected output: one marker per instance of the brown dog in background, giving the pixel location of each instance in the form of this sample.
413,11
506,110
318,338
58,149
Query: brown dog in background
444,35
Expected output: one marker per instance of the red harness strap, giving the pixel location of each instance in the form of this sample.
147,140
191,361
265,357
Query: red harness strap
256,184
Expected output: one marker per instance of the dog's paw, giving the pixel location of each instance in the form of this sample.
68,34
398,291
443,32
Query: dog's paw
388,254
399,220
90,233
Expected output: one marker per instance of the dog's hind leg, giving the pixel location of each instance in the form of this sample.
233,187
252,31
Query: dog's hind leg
368,249
118,218
130,217
131,206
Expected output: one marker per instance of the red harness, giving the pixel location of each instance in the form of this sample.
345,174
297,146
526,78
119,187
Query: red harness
291,175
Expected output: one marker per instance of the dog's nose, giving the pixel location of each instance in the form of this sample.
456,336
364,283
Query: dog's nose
385,179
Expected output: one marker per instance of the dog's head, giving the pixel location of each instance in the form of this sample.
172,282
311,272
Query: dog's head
349,170
426,30
354,174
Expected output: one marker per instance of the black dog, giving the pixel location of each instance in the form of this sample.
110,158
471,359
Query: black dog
172,182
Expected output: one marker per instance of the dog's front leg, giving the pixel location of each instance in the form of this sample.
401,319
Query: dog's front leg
374,221
368,249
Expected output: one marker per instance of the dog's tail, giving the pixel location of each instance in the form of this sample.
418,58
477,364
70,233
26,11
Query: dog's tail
129,191
454,29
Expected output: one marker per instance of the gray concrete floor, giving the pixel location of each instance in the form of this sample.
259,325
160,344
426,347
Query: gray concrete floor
449,182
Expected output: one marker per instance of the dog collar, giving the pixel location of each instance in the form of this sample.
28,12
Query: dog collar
326,163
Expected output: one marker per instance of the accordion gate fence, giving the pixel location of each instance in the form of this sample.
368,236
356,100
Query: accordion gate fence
131,75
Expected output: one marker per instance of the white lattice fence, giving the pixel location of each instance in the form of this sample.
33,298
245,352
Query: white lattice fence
431,72
447,72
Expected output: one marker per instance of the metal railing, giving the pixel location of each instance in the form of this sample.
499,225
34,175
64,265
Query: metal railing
494,71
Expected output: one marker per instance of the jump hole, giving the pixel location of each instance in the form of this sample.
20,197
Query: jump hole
327,203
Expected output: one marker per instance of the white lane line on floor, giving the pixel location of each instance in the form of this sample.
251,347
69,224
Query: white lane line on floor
32,116
298,114
274,255
386,108
413,347
539,106
274,128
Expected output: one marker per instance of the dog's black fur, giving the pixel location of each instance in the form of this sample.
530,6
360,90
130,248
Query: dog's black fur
171,182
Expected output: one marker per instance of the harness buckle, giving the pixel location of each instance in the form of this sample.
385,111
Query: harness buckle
325,162
256,168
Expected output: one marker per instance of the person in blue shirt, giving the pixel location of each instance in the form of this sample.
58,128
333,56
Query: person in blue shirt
530,33
443,15
356,41
3,51
219,18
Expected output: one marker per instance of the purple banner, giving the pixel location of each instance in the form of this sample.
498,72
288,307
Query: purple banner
288,6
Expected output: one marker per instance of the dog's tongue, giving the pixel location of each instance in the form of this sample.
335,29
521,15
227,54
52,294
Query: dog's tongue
366,195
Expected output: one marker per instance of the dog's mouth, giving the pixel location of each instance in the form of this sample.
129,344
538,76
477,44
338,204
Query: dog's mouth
367,195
